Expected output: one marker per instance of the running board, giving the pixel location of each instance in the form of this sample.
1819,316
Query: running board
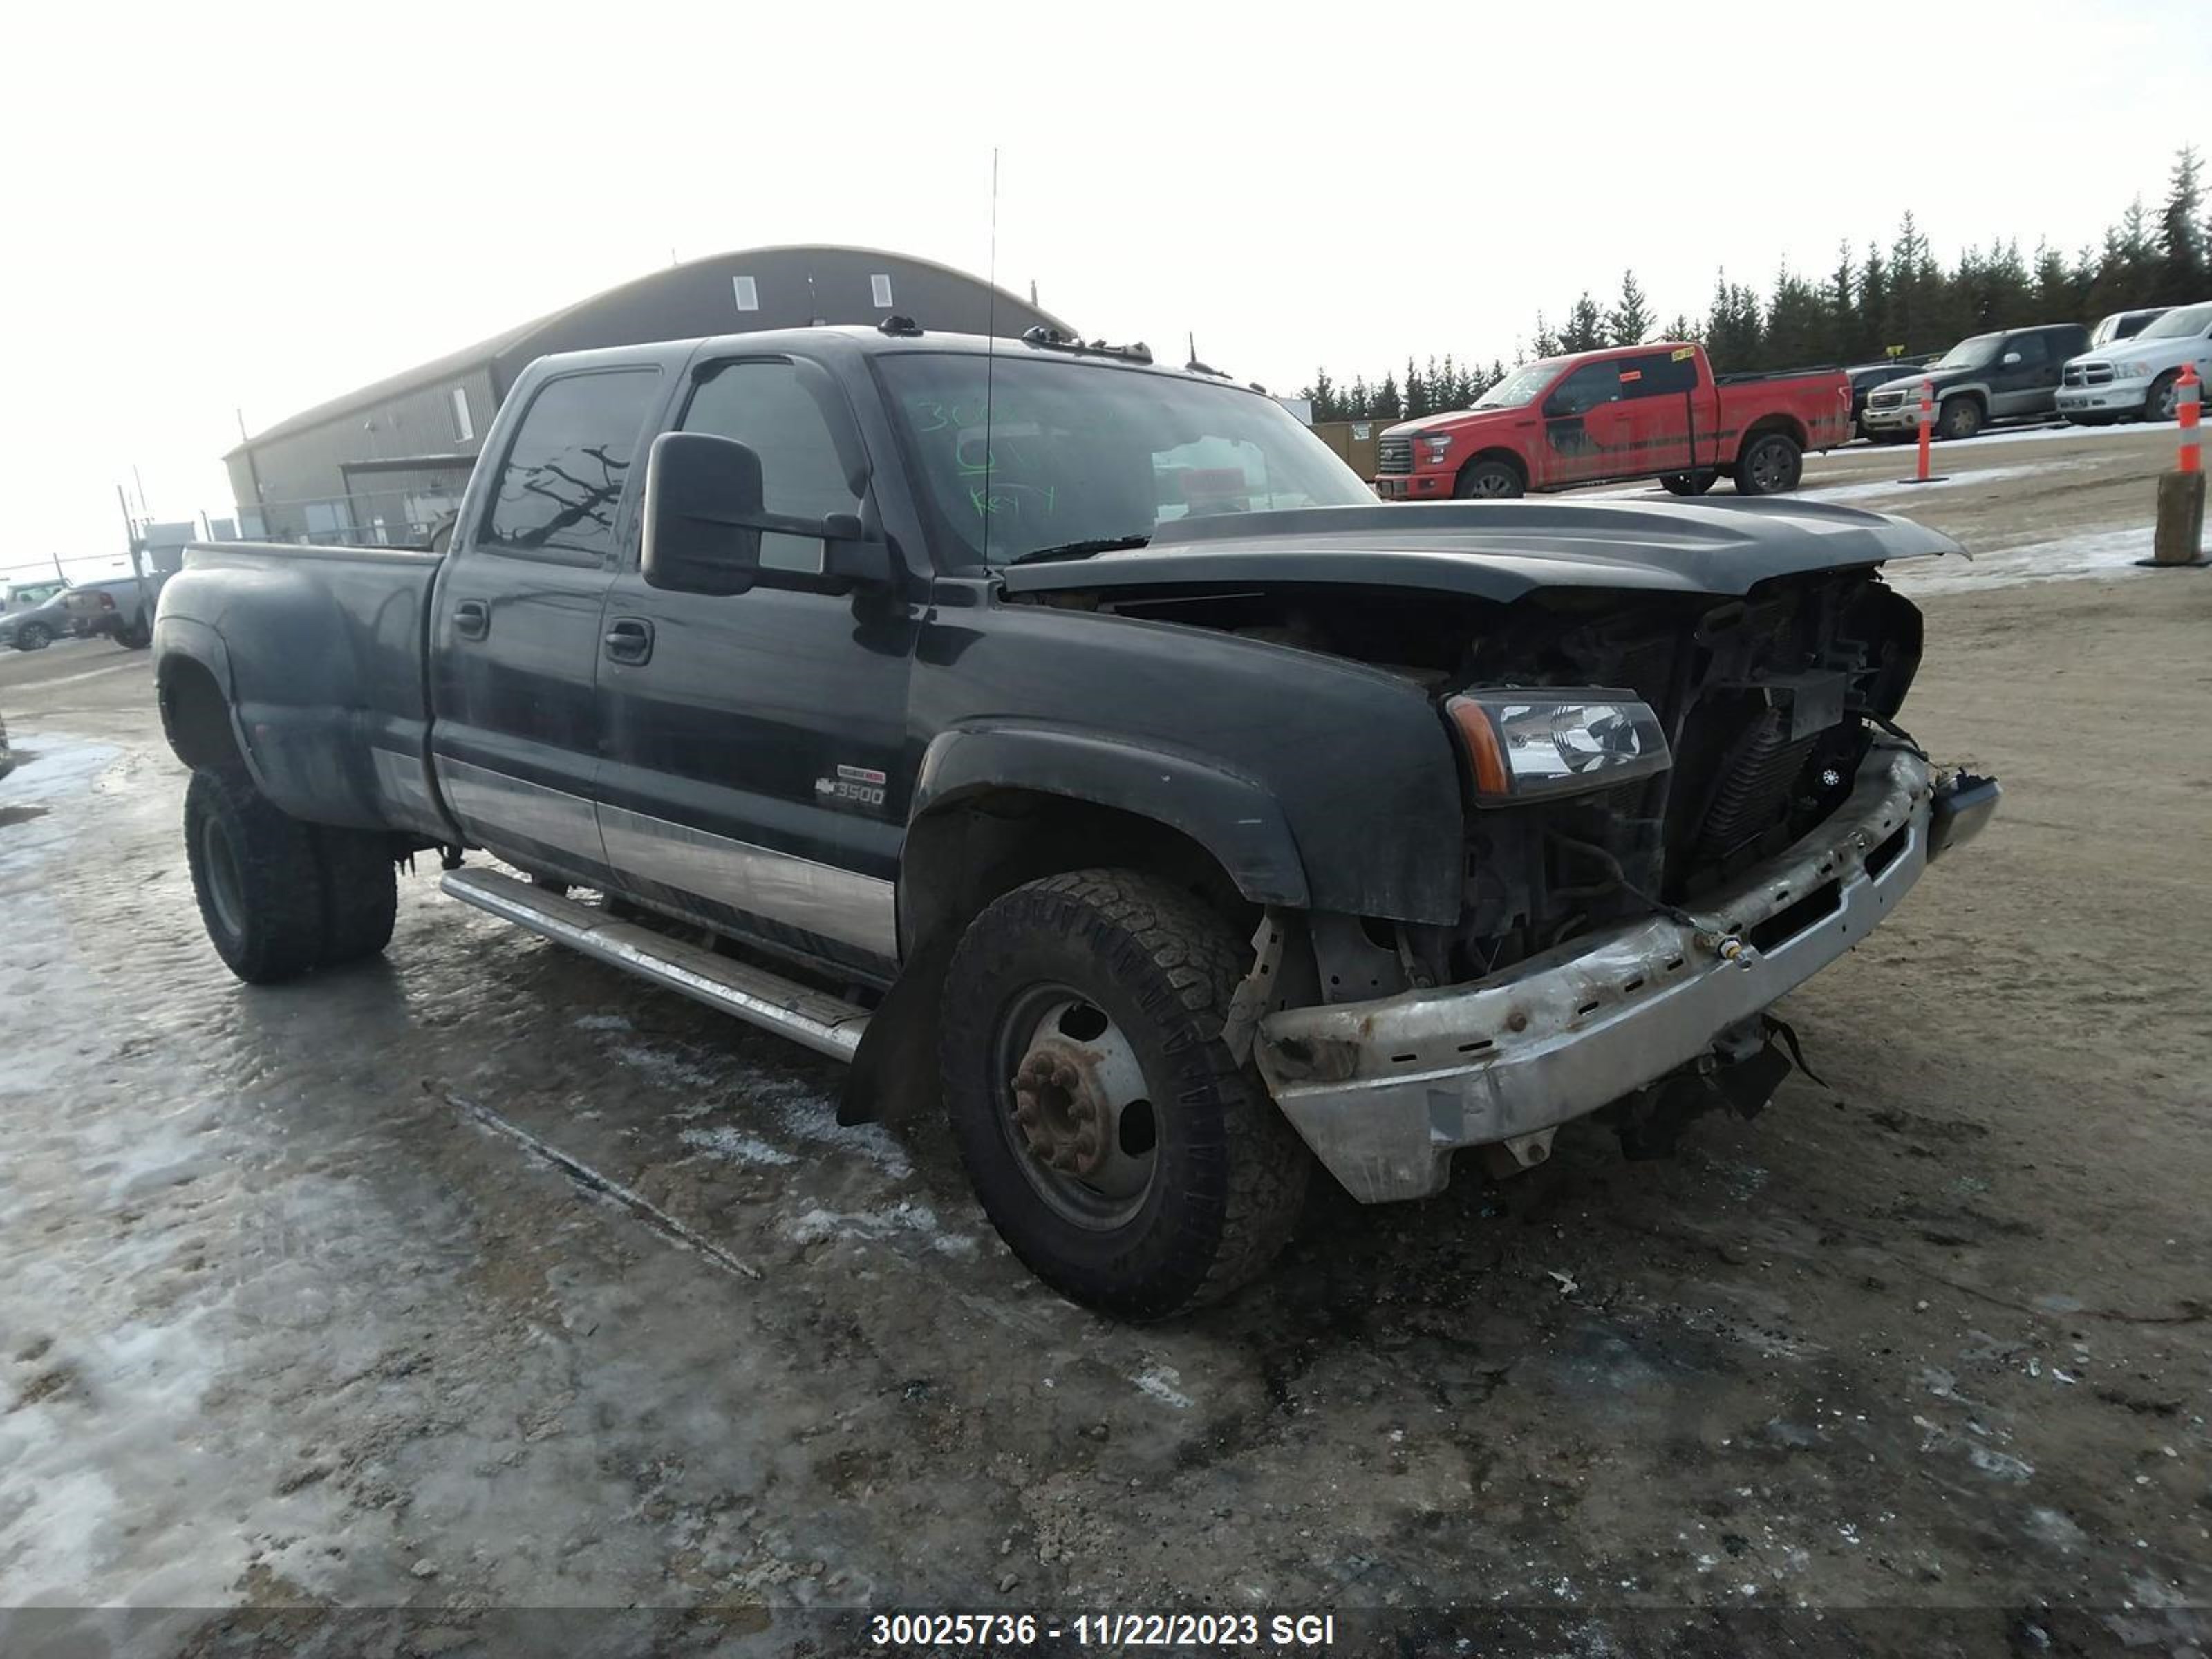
820,1021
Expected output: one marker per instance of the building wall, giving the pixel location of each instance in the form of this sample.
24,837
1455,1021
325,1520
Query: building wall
302,481
303,477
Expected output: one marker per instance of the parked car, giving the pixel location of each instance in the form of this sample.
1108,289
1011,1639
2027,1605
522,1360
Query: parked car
1866,377
2123,325
2009,374
1181,821
36,627
28,595
1631,412
2140,379
120,607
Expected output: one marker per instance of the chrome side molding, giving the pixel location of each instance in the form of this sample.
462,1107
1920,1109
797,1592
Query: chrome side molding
821,1022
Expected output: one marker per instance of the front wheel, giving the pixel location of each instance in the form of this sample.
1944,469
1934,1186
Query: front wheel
1689,483
34,636
1488,481
1960,417
1769,466
2163,402
1121,1150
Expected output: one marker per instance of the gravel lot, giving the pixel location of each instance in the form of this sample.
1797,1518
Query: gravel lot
296,1312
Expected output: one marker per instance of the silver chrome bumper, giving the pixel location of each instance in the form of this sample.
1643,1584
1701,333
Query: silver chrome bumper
1384,1092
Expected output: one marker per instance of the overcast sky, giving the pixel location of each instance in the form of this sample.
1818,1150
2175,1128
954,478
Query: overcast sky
213,207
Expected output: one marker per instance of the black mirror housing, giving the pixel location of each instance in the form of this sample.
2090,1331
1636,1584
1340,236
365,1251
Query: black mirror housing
703,508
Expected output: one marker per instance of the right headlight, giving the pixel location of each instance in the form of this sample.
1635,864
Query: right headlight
1528,744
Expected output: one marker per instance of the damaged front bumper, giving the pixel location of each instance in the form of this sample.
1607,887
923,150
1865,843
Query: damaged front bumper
1384,1092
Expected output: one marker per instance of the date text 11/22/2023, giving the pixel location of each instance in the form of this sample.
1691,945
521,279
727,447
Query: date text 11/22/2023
936,1631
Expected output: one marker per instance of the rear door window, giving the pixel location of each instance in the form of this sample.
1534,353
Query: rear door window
1656,375
561,486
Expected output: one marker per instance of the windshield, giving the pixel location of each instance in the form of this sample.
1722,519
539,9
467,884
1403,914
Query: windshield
2179,325
1521,386
1977,353
1084,453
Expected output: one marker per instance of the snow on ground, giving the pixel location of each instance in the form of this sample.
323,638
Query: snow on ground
1885,487
2099,553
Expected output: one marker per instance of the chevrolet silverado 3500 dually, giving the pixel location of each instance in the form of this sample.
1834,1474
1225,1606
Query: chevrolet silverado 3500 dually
1076,741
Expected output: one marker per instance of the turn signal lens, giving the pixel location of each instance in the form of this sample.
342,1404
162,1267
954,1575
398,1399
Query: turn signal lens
1521,746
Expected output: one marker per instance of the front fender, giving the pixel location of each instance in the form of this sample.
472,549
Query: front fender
1234,818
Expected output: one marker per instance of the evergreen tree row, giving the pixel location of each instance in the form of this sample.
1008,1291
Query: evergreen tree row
1893,301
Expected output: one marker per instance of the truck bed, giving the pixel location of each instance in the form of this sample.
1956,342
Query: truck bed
342,631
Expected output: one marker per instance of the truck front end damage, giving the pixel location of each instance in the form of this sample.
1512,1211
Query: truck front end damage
1677,813
1384,1092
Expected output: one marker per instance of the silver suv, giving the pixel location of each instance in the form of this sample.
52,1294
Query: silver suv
2139,378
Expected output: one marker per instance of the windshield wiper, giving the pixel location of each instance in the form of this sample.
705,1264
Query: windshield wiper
1079,550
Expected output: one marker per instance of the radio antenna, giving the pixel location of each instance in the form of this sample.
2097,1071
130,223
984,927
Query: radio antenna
990,355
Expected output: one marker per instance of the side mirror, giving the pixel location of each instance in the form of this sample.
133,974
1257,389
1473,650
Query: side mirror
704,518
702,504
2010,358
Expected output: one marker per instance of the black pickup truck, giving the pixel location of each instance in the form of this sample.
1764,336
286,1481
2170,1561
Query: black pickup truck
1075,741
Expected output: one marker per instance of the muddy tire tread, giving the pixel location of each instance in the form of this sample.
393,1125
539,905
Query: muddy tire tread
279,875
1200,961
361,893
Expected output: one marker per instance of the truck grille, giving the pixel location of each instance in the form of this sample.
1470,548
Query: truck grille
1394,455
2088,374
1885,399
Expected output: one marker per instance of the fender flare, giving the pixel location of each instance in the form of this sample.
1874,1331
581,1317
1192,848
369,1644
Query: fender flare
187,640
1233,817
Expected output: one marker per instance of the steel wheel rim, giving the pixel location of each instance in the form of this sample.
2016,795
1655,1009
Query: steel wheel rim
2169,402
1490,485
1769,467
1048,1027
225,890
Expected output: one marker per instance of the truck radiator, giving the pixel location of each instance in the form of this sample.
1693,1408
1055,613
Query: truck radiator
1756,778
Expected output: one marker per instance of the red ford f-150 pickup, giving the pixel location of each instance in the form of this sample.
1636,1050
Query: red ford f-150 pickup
1630,412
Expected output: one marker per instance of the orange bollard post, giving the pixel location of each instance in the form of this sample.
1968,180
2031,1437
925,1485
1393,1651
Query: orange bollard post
2178,542
1927,431
2187,407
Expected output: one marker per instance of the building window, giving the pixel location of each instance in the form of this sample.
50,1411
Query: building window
747,292
882,287
463,428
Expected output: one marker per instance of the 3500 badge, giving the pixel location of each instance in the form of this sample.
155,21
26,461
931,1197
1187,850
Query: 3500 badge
860,786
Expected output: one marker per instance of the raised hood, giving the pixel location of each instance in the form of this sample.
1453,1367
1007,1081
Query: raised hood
1502,551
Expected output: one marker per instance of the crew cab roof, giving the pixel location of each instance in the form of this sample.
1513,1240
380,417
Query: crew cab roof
1504,550
852,343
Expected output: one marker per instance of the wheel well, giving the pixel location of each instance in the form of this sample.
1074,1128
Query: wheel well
1788,427
196,719
1971,395
1520,467
961,856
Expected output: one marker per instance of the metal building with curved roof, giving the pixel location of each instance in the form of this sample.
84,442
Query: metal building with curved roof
383,463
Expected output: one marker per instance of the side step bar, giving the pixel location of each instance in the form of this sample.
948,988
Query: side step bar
822,1022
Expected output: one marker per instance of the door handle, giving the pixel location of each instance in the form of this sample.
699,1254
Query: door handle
472,619
628,639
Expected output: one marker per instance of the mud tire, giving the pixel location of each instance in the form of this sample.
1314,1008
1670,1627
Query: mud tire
257,878
1230,1173
361,893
